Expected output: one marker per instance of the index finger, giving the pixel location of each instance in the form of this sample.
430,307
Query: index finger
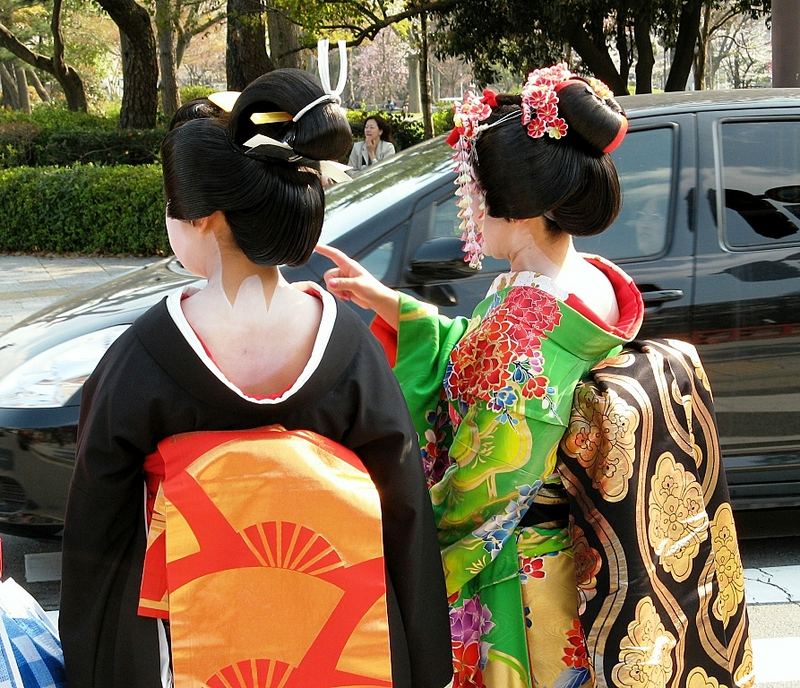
334,254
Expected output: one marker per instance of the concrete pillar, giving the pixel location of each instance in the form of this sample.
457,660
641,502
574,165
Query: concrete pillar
785,46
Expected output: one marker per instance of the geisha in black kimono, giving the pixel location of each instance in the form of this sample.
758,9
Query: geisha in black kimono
248,506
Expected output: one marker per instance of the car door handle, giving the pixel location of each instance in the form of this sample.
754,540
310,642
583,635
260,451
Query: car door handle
651,298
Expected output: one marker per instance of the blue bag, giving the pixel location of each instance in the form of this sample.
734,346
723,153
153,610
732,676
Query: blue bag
30,651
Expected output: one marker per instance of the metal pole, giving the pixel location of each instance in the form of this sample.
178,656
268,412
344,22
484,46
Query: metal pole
785,46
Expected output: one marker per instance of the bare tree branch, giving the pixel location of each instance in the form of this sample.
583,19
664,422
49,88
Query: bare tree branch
370,30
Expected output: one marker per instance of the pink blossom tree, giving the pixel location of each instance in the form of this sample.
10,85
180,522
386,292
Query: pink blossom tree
380,69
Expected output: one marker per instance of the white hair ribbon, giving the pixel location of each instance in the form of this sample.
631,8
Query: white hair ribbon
324,69
324,66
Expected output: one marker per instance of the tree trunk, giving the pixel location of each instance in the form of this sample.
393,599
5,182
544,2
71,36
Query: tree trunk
41,91
284,41
598,61
424,81
414,97
785,46
683,55
10,95
701,54
246,55
623,49
139,63
170,100
69,79
22,89
645,60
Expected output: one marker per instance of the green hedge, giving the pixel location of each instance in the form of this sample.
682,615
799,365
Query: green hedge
191,92
55,136
83,209
58,117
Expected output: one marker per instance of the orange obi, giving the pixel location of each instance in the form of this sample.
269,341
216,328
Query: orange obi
265,552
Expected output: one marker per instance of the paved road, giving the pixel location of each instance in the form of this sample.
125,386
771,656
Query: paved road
770,544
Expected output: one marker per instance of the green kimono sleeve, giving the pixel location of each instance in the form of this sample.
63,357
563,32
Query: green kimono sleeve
424,342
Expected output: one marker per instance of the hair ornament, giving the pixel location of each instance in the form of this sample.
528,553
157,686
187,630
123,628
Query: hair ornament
467,120
261,146
539,101
331,95
225,100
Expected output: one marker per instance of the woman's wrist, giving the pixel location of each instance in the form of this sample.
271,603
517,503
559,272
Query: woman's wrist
386,304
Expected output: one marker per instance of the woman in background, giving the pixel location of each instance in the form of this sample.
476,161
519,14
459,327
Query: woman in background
376,146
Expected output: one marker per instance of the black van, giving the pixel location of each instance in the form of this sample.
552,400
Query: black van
710,231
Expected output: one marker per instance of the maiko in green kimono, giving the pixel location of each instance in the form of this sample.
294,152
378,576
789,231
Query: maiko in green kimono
583,518
490,443
491,395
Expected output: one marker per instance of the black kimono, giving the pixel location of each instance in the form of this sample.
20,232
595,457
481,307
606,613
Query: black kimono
152,385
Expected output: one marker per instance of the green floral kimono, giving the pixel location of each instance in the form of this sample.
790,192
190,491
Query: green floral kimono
490,397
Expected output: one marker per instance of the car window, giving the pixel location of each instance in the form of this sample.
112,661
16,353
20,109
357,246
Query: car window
444,223
379,259
760,174
644,163
383,186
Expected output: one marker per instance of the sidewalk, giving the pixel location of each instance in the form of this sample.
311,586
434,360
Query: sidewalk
30,283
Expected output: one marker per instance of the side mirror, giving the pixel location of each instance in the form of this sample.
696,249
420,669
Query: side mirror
439,260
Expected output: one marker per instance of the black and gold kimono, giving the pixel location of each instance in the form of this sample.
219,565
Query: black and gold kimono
660,580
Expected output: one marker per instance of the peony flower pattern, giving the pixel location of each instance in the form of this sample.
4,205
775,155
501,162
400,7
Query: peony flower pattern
502,357
645,655
678,520
730,574
469,625
601,436
587,565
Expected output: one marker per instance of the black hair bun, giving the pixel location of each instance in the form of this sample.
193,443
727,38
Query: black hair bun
595,116
322,133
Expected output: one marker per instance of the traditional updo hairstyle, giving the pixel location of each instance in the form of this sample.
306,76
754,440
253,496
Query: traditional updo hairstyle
273,201
570,181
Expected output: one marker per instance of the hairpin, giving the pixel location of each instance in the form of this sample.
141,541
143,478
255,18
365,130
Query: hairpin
265,146
467,118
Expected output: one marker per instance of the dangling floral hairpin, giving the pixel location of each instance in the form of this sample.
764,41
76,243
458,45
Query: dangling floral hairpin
469,114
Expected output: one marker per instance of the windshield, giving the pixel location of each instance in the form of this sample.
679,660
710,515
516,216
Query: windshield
351,203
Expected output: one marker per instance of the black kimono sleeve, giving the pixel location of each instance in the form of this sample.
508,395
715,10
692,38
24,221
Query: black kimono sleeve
383,437
106,645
